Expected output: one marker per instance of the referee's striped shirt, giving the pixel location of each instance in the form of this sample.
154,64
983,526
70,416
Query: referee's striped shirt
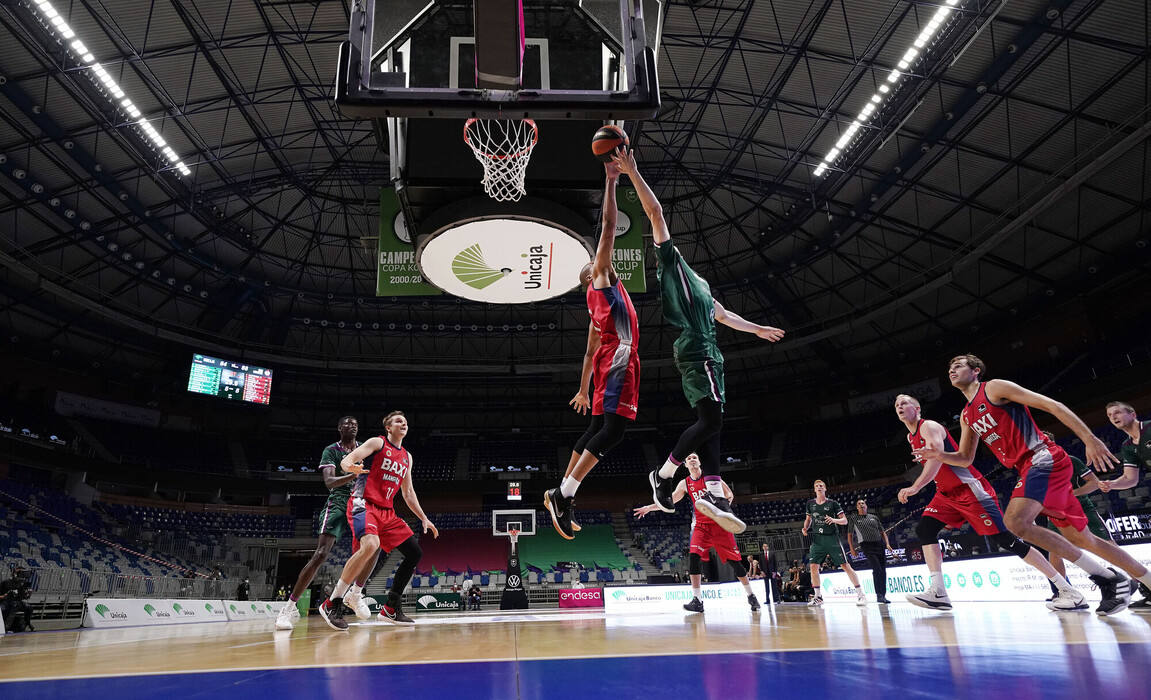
867,528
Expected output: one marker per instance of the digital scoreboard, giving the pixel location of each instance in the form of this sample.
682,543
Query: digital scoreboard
234,381
515,491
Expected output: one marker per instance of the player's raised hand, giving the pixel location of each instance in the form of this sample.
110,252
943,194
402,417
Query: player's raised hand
429,527
581,403
612,170
624,160
642,511
1099,457
905,494
356,468
771,333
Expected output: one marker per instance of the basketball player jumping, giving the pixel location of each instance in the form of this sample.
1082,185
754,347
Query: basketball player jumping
612,357
962,495
705,534
823,514
333,525
689,306
375,526
998,413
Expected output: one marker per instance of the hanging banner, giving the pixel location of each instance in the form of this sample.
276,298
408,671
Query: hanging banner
628,256
397,273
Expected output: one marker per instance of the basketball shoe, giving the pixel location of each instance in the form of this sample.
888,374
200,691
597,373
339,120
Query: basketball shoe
394,615
930,600
753,602
355,601
333,613
860,598
661,490
695,606
815,602
288,616
719,510
1067,600
561,511
1116,593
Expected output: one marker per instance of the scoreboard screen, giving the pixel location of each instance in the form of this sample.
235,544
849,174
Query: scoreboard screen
515,493
234,381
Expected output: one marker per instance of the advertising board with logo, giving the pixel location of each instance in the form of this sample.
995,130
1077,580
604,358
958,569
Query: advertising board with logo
438,601
581,597
1004,578
238,610
716,596
131,612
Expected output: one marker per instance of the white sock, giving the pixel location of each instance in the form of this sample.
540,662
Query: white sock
569,489
695,590
714,487
564,483
669,468
817,593
1093,567
937,583
747,587
1060,582
1145,579
340,589
859,591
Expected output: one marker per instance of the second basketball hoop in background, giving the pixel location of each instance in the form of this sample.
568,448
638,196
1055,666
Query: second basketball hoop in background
503,147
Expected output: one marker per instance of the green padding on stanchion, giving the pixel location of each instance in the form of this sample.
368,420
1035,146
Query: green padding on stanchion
593,546
304,602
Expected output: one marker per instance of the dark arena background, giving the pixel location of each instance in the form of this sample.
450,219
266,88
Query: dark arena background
226,227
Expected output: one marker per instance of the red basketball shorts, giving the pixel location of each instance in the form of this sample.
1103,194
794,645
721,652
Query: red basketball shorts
1046,477
705,536
370,519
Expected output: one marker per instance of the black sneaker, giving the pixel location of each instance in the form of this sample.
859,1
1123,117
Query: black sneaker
396,616
1141,606
1116,593
753,602
719,510
333,613
661,490
561,510
883,601
695,606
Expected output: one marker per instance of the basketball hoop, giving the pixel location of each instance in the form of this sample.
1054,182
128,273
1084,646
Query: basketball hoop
514,536
503,147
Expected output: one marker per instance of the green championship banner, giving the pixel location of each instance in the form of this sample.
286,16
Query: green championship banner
397,273
628,256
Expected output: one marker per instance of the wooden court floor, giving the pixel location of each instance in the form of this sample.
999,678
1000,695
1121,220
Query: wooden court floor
983,650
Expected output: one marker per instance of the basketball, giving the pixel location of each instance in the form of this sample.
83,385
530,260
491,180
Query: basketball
606,140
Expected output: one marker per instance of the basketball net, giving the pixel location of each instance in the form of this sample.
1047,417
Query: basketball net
503,147
514,536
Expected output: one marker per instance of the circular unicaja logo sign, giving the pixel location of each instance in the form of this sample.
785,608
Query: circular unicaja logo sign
993,577
503,260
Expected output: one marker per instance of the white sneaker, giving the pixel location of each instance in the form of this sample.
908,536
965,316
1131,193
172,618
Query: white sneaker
930,600
355,601
288,616
861,599
1068,599
816,602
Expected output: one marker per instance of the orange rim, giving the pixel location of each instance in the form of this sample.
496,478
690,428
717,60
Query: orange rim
518,154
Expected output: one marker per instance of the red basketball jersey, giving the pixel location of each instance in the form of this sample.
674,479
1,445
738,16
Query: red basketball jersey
613,316
1009,430
388,468
948,478
696,488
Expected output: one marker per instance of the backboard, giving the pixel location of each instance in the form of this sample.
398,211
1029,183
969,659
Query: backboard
522,519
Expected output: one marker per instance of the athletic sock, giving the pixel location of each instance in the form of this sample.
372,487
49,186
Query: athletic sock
294,598
569,489
695,591
1060,582
669,468
1093,567
817,593
859,591
747,587
1145,579
937,583
339,591
566,480
714,486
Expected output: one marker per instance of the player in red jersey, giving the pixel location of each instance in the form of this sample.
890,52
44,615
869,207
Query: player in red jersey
612,357
998,414
963,495
375,526
705,535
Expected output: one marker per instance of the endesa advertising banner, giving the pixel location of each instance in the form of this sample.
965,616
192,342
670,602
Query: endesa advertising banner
581,597
1003,578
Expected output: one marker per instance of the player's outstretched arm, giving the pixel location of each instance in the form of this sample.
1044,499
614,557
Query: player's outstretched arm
626,163
933,436
409,492
968,443
353,462
840,519
1098,456
1090,485
1129,478
328,467
736,322
603,272
581,402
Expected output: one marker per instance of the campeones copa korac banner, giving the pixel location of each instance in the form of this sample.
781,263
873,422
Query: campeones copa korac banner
397,273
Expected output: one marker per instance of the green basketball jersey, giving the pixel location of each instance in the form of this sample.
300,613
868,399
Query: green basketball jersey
331,458
687,305
819,511
1079,474
1138,454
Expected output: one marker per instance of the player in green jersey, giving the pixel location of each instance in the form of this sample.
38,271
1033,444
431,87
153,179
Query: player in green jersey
332,526
1134,455
689,305
823,515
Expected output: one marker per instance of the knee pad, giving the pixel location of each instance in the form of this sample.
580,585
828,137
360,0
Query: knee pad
694,564
610,435
927,531
1011,543
738,569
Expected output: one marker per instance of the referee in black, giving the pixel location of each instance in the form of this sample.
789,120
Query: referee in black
866,530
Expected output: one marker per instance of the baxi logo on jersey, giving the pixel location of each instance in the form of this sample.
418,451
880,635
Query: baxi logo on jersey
983,427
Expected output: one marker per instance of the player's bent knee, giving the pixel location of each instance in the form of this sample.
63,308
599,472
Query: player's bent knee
927,531
694,564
